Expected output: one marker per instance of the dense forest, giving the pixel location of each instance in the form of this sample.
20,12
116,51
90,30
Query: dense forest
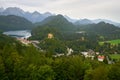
20,62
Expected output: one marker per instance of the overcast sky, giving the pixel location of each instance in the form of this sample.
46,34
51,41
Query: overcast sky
91,9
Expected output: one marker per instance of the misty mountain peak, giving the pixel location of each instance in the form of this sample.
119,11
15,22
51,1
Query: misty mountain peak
33,17
14,9
1,9
38,17
36,13
47,14
83,22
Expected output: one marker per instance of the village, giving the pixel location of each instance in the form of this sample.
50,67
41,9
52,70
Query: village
87,54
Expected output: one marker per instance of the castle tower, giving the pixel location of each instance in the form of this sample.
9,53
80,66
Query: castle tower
50,36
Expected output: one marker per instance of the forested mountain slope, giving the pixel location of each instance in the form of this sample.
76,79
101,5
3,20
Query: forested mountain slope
12,22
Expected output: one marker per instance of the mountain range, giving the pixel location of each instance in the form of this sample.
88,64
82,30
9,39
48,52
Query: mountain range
33,17
38,17
88,21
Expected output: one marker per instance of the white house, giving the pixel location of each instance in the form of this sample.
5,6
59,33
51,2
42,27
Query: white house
70,51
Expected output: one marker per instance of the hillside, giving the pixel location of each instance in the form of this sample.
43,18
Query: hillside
12,22
57,25
108,31
57,21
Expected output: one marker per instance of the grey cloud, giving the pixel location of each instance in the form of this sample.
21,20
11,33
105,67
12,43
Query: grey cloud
73,8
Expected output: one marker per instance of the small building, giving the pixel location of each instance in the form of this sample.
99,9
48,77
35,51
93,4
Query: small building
50,36
89,54
58,55
85,54
101,58
97,53
82,38
70,51
24,41
35,41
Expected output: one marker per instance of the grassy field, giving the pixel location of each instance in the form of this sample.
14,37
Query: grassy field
115,56
113,42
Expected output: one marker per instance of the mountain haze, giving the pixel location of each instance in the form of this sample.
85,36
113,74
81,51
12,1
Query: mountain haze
33,17
38,17
106,21
83,22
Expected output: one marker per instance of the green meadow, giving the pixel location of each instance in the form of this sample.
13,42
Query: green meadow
115,56
113,42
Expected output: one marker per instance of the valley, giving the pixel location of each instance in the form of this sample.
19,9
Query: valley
53,48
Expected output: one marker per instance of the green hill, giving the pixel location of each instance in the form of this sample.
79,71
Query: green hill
58,22
56,25
107,31
12,22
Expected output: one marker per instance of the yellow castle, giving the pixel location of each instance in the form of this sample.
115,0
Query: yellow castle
50,36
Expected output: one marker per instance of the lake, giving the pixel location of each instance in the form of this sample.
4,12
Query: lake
19,33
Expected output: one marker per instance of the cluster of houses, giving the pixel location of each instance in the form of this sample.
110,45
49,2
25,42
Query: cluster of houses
27,42
69,52
91,54
100,57
24,41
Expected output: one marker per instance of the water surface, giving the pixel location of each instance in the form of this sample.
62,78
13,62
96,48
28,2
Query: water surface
19,33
